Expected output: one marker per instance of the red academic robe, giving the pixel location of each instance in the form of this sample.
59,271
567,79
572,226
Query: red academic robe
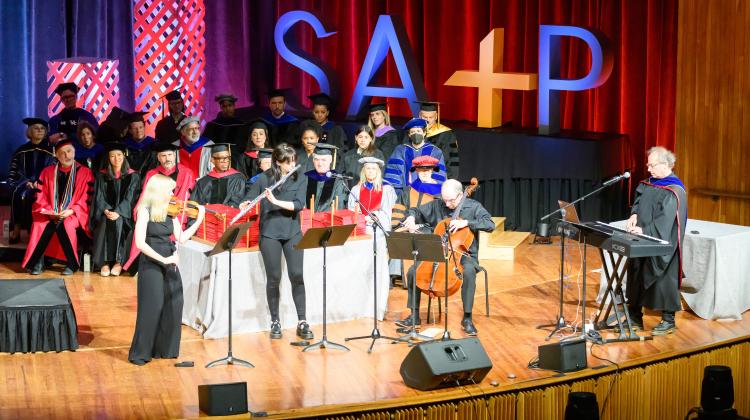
185,184
45,199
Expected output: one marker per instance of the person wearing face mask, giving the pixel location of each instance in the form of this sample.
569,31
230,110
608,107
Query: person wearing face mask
166,128
326,191
223,185
60,209
111,218
441,136
659,210
386,137
246,162
398,170
331,133
138,144
194,152
64,124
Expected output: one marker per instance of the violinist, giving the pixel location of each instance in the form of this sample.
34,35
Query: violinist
159,316
280,231
472,216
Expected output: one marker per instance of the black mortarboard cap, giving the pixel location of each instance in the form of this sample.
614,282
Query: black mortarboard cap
324,149
321,99
220,147
34,120
278,92
264,153
225,97
115,145
173,96
164,146
381,106
66,86
428,106
136,117
259,123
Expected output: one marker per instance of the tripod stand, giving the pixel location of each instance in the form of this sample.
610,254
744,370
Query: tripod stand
375,334
418,247
227,242
323,238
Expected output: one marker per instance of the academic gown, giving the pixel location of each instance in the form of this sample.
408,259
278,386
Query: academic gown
325,190
283,130
140,155
386,139
226,188
228,130
661,206
350,165
166,129
185,180
304,160
66,121
26,165
398,170
379,203
89,157
334,135
414,195
112,238
445,139
197,156
45,200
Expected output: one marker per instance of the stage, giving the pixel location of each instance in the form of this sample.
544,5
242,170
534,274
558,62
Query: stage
98,381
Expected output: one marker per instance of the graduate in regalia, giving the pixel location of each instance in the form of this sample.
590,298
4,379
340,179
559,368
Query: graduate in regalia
140,157
25,167
60,210
224,184
263,163
193,151
88,151
166,155
376,196
166,128
116,189
64,124
310,132
226,127
659,210
420,191
364,139
246,162
386,137
398,170
284,127
441,136
331,133
325,191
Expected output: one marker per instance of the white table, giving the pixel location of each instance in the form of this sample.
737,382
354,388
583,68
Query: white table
349,283
716,263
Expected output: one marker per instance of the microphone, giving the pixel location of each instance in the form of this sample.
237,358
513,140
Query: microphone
330,174
625,175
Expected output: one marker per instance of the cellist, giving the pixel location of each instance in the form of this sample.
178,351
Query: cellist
472,216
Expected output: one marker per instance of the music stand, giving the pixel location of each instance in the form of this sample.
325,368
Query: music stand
417,247
227,242
317,238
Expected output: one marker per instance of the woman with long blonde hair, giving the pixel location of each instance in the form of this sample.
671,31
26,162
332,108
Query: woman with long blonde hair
377,197
157,326
386,137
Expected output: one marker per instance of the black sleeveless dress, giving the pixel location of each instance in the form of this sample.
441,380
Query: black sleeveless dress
158,323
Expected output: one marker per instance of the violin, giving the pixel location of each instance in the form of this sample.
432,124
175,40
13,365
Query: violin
177,207
431,277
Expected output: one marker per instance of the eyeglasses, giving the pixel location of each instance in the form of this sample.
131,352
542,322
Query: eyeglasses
654,165
453,200
222,159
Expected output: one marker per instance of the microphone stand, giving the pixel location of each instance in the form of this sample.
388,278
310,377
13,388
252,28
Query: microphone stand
375,334
561,323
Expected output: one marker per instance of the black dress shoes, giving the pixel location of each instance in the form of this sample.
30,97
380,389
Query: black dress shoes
303,331
408,322
468,326
38,268
275,332
664,328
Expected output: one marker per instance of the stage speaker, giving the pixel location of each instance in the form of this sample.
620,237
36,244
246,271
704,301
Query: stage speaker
440,364
223,399
564,356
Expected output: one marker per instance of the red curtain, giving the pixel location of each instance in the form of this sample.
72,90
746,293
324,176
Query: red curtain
637,100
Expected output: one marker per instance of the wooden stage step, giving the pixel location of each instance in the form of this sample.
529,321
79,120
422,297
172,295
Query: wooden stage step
499,244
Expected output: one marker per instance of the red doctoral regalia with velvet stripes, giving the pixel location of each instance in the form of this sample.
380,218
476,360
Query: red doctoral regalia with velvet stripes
185,183
45,199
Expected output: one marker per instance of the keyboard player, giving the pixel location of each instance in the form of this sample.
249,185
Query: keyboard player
659,210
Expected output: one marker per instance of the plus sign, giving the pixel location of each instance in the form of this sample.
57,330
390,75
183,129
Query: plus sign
490,84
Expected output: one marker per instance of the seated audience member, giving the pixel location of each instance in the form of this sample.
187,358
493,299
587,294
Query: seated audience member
88,151
441,136
139,144
309,138
224,184
193,151
398,170
263,163
386,137
166,128
327,192
331,133
365,147
64,124
245,162
284,127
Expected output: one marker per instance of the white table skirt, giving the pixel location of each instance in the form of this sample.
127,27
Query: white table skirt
349,284
716,262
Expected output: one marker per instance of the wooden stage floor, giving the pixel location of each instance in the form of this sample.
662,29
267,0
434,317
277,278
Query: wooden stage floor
97,380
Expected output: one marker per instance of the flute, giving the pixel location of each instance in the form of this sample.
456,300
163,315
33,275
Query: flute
257,199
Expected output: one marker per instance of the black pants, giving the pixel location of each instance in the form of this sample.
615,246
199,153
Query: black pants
158,323
468,288
270,250
41,246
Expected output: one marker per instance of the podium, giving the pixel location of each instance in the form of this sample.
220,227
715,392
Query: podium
324,237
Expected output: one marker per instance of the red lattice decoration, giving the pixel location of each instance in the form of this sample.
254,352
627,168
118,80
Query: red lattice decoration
96,78
169,45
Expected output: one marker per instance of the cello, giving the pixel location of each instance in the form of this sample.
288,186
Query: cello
431,277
